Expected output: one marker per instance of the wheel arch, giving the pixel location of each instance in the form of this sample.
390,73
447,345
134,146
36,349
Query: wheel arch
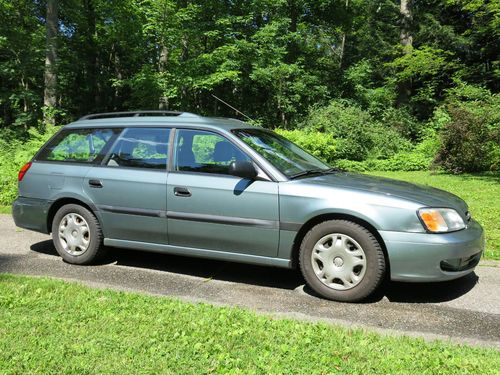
335,216
58,203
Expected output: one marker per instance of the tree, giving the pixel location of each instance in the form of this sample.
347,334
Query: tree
404,87
50,75
406,18
271,59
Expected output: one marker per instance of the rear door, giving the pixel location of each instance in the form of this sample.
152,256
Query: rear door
210,209
129,188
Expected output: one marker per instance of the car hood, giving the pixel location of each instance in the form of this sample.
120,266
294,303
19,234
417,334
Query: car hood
425,195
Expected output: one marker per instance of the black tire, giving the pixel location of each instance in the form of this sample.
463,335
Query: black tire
375,266
95,248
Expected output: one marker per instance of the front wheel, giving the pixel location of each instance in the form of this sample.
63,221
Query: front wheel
342,261
77,235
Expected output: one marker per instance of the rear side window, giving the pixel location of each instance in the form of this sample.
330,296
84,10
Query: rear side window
141,148
78,145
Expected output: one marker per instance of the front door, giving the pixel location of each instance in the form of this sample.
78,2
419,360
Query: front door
210,209
130,189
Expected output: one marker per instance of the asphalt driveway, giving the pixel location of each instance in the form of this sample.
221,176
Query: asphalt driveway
464,311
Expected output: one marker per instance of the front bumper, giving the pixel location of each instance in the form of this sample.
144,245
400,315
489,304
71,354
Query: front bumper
31,213
425,257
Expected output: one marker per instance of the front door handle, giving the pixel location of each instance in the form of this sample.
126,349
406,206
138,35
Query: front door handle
95,183
181,192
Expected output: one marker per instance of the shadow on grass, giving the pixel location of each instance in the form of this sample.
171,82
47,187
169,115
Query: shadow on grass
269,276
482,176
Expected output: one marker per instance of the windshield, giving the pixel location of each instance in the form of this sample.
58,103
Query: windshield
280,152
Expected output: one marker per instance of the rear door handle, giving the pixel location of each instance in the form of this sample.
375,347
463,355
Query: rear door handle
95,183
181,192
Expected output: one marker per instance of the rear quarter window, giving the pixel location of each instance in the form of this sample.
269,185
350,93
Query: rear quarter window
78,145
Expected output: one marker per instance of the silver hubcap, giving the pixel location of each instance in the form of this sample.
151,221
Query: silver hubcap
338,261
74,234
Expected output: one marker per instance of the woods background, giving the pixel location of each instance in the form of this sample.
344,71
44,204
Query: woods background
363,84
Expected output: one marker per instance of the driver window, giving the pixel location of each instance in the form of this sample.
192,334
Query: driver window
207,152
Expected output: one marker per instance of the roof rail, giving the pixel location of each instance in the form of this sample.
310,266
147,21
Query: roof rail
133,114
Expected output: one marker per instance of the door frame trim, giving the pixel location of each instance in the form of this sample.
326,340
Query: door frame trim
227,220
204,218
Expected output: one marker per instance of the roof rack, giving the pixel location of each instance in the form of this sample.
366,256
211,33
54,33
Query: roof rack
133,114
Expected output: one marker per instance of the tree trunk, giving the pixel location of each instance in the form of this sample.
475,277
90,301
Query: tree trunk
184,44
162,68
92,63
50,76
406,18
115,59
293,48
407,43
344,37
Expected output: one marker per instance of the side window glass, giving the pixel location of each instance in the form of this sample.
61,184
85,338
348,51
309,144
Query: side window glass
78,145
202,151
141,148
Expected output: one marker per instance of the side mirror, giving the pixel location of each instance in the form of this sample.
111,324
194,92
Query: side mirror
243,169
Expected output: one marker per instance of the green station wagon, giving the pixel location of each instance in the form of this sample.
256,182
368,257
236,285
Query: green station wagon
184,184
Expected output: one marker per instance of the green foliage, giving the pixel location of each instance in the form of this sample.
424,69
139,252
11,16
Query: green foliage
357,135
21,63
318,144
348,124
331,66
467,143
115,332
403,161
365,92
204,146
401,120
429,70
495,158
14,153
469,130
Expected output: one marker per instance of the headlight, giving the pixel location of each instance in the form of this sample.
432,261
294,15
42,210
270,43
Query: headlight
439,220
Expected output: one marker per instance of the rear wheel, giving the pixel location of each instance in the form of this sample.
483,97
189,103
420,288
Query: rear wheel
342,261
77,235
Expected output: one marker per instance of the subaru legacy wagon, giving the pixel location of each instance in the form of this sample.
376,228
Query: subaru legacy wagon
216,188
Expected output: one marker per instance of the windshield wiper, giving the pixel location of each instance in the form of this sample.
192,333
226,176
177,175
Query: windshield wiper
333,170
306,173
310,172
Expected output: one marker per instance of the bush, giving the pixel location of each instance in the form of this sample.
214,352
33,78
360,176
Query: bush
404,161
469,128
495,159
356,134
400,120
14,153
319,144
389,152
468,141
322,145
348,125
350,165
387,142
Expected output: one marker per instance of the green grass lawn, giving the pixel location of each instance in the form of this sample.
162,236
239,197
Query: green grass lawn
5,209
481,192
50,326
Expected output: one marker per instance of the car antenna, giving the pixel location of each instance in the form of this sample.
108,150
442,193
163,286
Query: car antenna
230,106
